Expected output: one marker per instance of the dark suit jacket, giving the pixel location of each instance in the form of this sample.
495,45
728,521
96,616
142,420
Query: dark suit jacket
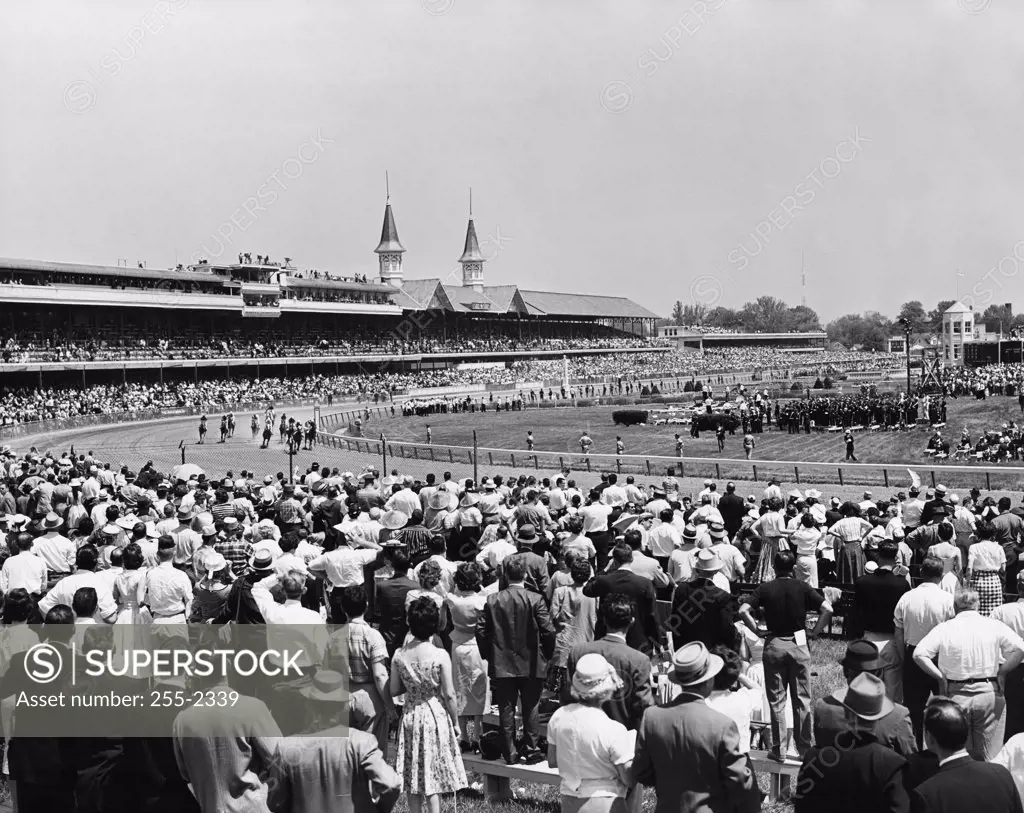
702,611
627,705
645,631
894,730
964,785
732,507
340,769
515,634
690,754
855,775
536,573
390,601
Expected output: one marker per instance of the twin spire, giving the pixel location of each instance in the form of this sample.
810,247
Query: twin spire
390,250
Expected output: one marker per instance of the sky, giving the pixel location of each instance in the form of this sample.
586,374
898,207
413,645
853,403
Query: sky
661,151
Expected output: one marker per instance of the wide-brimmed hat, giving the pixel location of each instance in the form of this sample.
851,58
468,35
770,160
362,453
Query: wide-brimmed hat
440,500
708,562
208,530
812,494
693,664
262,559
52,522
394,520
866,698
184,512
110,529
469,500
594,676
326,685
862,655
487,484
151,531
211,561
127,521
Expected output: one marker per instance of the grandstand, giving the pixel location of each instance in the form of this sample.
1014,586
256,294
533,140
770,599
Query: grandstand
688,338
76,316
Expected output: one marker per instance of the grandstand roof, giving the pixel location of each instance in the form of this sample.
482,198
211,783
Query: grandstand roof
106,270
547,303
337,285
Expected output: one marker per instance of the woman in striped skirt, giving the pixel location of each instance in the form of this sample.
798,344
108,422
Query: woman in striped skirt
986,564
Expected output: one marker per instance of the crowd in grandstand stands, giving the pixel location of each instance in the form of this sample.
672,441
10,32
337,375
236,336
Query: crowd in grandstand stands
526,591
991,379
71,347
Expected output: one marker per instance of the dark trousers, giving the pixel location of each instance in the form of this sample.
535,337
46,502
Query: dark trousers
602,541
917,687
1014,695
787,675
507,693
44,798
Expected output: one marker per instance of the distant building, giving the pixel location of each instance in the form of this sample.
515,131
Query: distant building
686,338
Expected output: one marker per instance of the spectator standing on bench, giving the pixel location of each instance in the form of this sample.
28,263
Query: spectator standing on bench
785,603
688,732
516,639
876,595
967,655
917,613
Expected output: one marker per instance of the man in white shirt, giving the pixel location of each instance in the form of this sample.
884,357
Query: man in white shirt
55,549
23,570
710,491
734,563
595,525
634,493
964,524
63,592
917,613
867,502
912,510
404,500
614,495
1013,616
972,653
663,538
344,565
707,512
166,590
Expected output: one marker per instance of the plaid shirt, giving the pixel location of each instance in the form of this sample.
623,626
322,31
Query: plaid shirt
237,551
355,650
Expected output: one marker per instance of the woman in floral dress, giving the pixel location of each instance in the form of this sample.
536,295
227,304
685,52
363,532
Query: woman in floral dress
429,761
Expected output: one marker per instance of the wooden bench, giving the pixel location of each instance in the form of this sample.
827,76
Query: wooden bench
498,775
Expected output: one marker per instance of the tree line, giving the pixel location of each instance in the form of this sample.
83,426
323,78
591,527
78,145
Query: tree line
870,330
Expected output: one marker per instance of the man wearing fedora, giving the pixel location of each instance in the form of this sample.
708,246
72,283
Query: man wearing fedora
536,568
516,639
717,777
336,766
894,730
701,609
961,782
856,773
56,551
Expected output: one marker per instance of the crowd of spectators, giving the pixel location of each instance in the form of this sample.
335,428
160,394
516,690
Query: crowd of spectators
538,594
990,379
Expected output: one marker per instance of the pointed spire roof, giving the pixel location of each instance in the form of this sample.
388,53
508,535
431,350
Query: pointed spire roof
389,243
471,253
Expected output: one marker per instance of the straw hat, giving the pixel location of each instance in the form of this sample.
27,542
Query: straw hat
51,523
393,520
594,676
440,501
469,500
708,562
262,560
693,664
326,685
